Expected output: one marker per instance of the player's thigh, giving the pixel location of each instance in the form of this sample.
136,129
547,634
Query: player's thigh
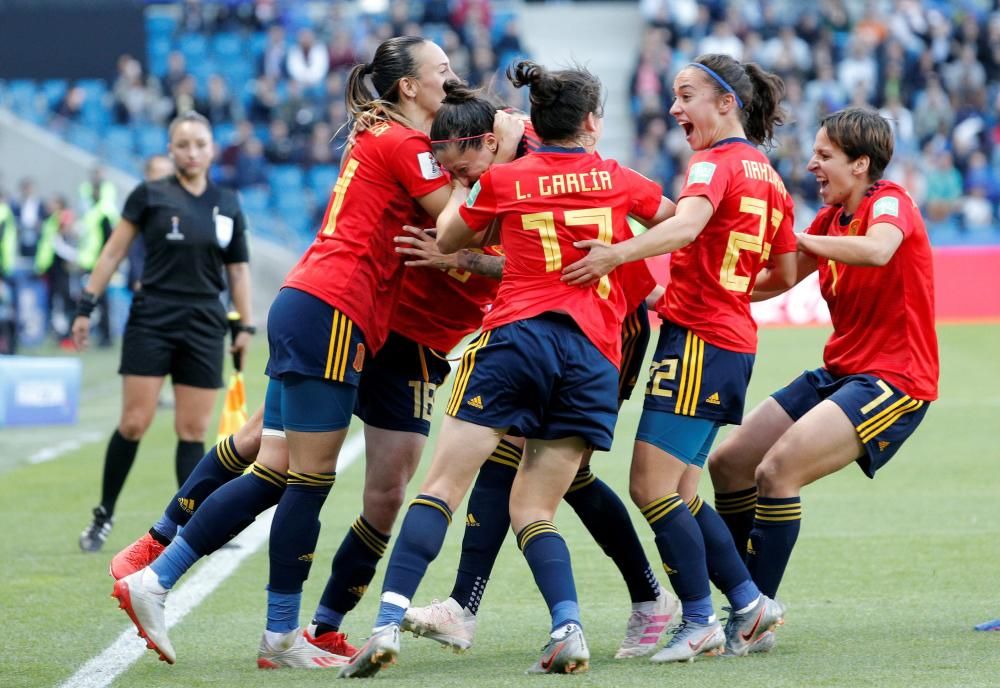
819,443
547,470
461,449
733,462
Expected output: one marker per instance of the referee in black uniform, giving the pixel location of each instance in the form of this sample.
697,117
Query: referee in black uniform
177,325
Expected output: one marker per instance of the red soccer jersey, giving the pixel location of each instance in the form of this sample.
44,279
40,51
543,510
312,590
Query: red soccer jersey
883,317
546,201
438,308
711,279
352,263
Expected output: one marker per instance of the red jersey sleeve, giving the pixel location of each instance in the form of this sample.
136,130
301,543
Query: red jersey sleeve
646,194
708,177
414,165
891,206
480,208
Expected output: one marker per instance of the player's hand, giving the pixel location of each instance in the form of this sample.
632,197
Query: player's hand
509,129
240,347
602,259
81,332
420,246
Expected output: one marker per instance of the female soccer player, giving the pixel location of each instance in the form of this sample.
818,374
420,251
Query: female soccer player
465,144
880,365
177,326
333,312
734,217
545,366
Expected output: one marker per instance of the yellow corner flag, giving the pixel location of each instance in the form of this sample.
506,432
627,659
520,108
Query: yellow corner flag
234,406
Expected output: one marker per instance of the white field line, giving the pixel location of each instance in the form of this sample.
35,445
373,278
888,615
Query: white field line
64,447
102,670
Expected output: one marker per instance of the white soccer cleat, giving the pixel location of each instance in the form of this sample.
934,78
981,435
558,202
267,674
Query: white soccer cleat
381,648
647,624
565,653
690,640
293,651
144,600
743,631
448,623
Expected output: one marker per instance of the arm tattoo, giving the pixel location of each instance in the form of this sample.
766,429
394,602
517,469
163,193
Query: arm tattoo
481,264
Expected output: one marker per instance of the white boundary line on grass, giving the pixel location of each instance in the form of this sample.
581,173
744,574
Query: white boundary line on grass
65,447
102,670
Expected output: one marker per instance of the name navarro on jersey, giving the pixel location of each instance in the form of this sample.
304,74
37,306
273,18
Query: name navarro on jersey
573,182
765,173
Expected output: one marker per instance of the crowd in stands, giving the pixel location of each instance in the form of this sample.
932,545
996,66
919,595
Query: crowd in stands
932,67
270,77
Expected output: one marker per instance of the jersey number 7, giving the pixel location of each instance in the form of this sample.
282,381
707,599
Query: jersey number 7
545,224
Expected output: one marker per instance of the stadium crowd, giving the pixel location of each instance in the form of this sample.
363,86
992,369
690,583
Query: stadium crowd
932,68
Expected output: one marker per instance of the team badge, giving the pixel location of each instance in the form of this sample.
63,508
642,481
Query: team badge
429,167
175,230
223,228
473,194
359,358
701,173
887,205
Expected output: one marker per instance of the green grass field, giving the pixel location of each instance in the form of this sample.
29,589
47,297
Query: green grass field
887,580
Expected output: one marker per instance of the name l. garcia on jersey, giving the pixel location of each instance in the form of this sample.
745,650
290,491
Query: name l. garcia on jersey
569,183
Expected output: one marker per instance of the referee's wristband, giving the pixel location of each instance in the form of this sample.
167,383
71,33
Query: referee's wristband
86,304
249,329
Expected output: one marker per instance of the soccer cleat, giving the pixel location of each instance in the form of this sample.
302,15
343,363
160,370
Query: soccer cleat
565,653
448,623
333,642
294,651
764,643
993,625
136,556
93,536
743,630
690,640
145,605
381,648
646,626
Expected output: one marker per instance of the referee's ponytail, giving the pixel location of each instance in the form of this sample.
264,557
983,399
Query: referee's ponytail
188,116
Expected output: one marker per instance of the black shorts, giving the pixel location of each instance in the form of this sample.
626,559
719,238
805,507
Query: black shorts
398,385
182,338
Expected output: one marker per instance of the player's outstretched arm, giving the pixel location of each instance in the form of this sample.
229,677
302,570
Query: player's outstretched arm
789,269
874,249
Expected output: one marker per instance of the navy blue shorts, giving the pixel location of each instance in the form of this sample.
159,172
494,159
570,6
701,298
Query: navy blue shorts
308,336
883,416
690,377
542,379
398,385
307,404
635,339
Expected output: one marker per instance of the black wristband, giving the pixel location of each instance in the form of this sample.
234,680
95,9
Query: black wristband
249,329
85,306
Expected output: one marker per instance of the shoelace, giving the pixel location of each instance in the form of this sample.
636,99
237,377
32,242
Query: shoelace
677,632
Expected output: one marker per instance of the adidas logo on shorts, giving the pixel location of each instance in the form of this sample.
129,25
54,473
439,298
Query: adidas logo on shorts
476,402
713,399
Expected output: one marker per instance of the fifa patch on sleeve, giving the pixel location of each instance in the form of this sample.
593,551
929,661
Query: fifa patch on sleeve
888,205
701,173
429,167
473,194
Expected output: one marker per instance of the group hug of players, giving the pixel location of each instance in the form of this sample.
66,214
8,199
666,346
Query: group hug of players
532,229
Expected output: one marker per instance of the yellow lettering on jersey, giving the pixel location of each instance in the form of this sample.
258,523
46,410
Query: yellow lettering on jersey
517,190
753,169
558,184
572,183
605,178
379,129
543,186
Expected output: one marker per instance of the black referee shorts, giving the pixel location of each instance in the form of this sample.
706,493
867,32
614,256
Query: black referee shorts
181,337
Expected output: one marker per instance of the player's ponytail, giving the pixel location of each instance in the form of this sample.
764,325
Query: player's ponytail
757,93
393,61
465,116
560,101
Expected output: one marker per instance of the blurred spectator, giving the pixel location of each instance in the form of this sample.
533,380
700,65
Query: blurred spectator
944,188
341,48
55,261
265,102
272,59
132,99
70,109
251,167
787,53
232,150
308,60
176,71
29,212
218,106
721,40
320,148
280,148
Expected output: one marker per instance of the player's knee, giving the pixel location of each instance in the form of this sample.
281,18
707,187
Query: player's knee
639,493
771,476
381,507
247,439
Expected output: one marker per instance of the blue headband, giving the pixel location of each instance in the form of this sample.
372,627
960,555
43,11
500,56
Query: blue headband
722,82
